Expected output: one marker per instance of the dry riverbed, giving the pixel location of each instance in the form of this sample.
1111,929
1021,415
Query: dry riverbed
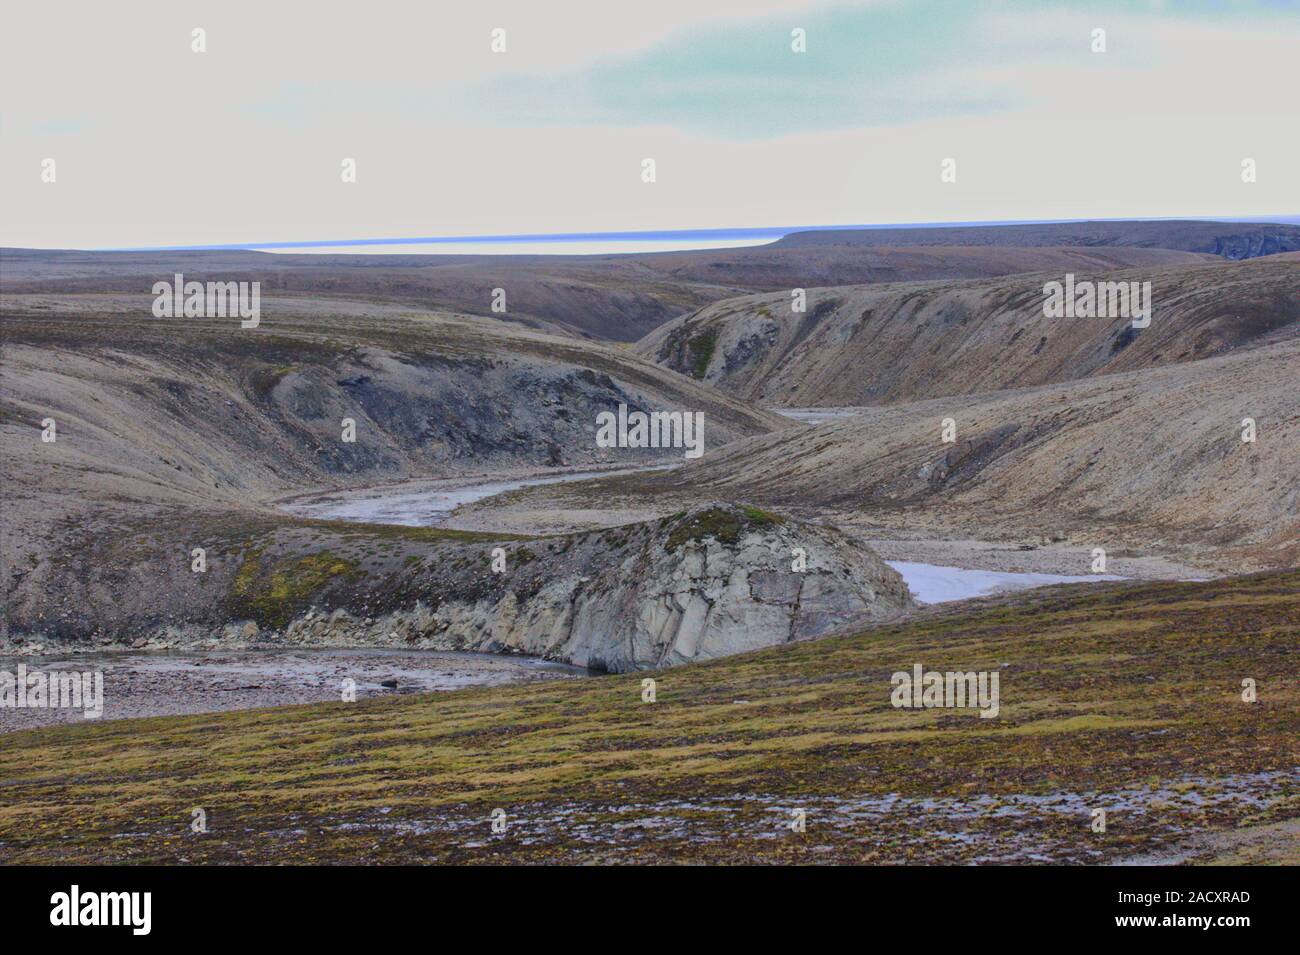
173,683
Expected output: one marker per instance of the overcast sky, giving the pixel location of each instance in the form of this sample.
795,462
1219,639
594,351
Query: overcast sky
157,145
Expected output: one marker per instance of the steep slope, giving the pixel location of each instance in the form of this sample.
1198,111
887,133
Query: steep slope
705,583
702,584
206,408
904,341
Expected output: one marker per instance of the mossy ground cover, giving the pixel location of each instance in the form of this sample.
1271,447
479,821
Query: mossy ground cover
1127,697
288,586
701,348
725,524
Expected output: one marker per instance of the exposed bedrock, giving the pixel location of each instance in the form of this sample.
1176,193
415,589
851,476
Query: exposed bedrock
707,582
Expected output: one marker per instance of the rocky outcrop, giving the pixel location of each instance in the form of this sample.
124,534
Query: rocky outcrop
708,583
704,583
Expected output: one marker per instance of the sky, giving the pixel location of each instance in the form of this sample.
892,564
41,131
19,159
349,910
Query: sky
155,144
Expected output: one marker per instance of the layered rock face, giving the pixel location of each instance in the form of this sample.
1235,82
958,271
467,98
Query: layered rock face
711,582
700,584
706,583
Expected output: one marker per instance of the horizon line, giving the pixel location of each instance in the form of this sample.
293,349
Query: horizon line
661,235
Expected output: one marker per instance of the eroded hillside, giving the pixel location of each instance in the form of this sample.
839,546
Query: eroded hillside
203,407
1157,452
170,434
869,345
1151,460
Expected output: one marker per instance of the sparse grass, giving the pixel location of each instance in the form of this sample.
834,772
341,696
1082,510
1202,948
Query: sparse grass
1131,686
759,517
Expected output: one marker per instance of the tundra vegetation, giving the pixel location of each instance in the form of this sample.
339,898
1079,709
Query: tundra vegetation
1122,697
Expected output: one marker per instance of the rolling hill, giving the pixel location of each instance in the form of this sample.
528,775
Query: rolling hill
868,345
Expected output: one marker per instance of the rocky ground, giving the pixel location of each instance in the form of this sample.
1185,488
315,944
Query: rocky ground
1147,464
698,584
176,435
562,510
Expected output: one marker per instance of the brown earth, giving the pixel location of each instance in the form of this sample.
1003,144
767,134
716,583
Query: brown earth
1120,696
174,433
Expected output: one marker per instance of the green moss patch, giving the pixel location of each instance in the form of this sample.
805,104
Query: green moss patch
273,595
701,349
721,523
